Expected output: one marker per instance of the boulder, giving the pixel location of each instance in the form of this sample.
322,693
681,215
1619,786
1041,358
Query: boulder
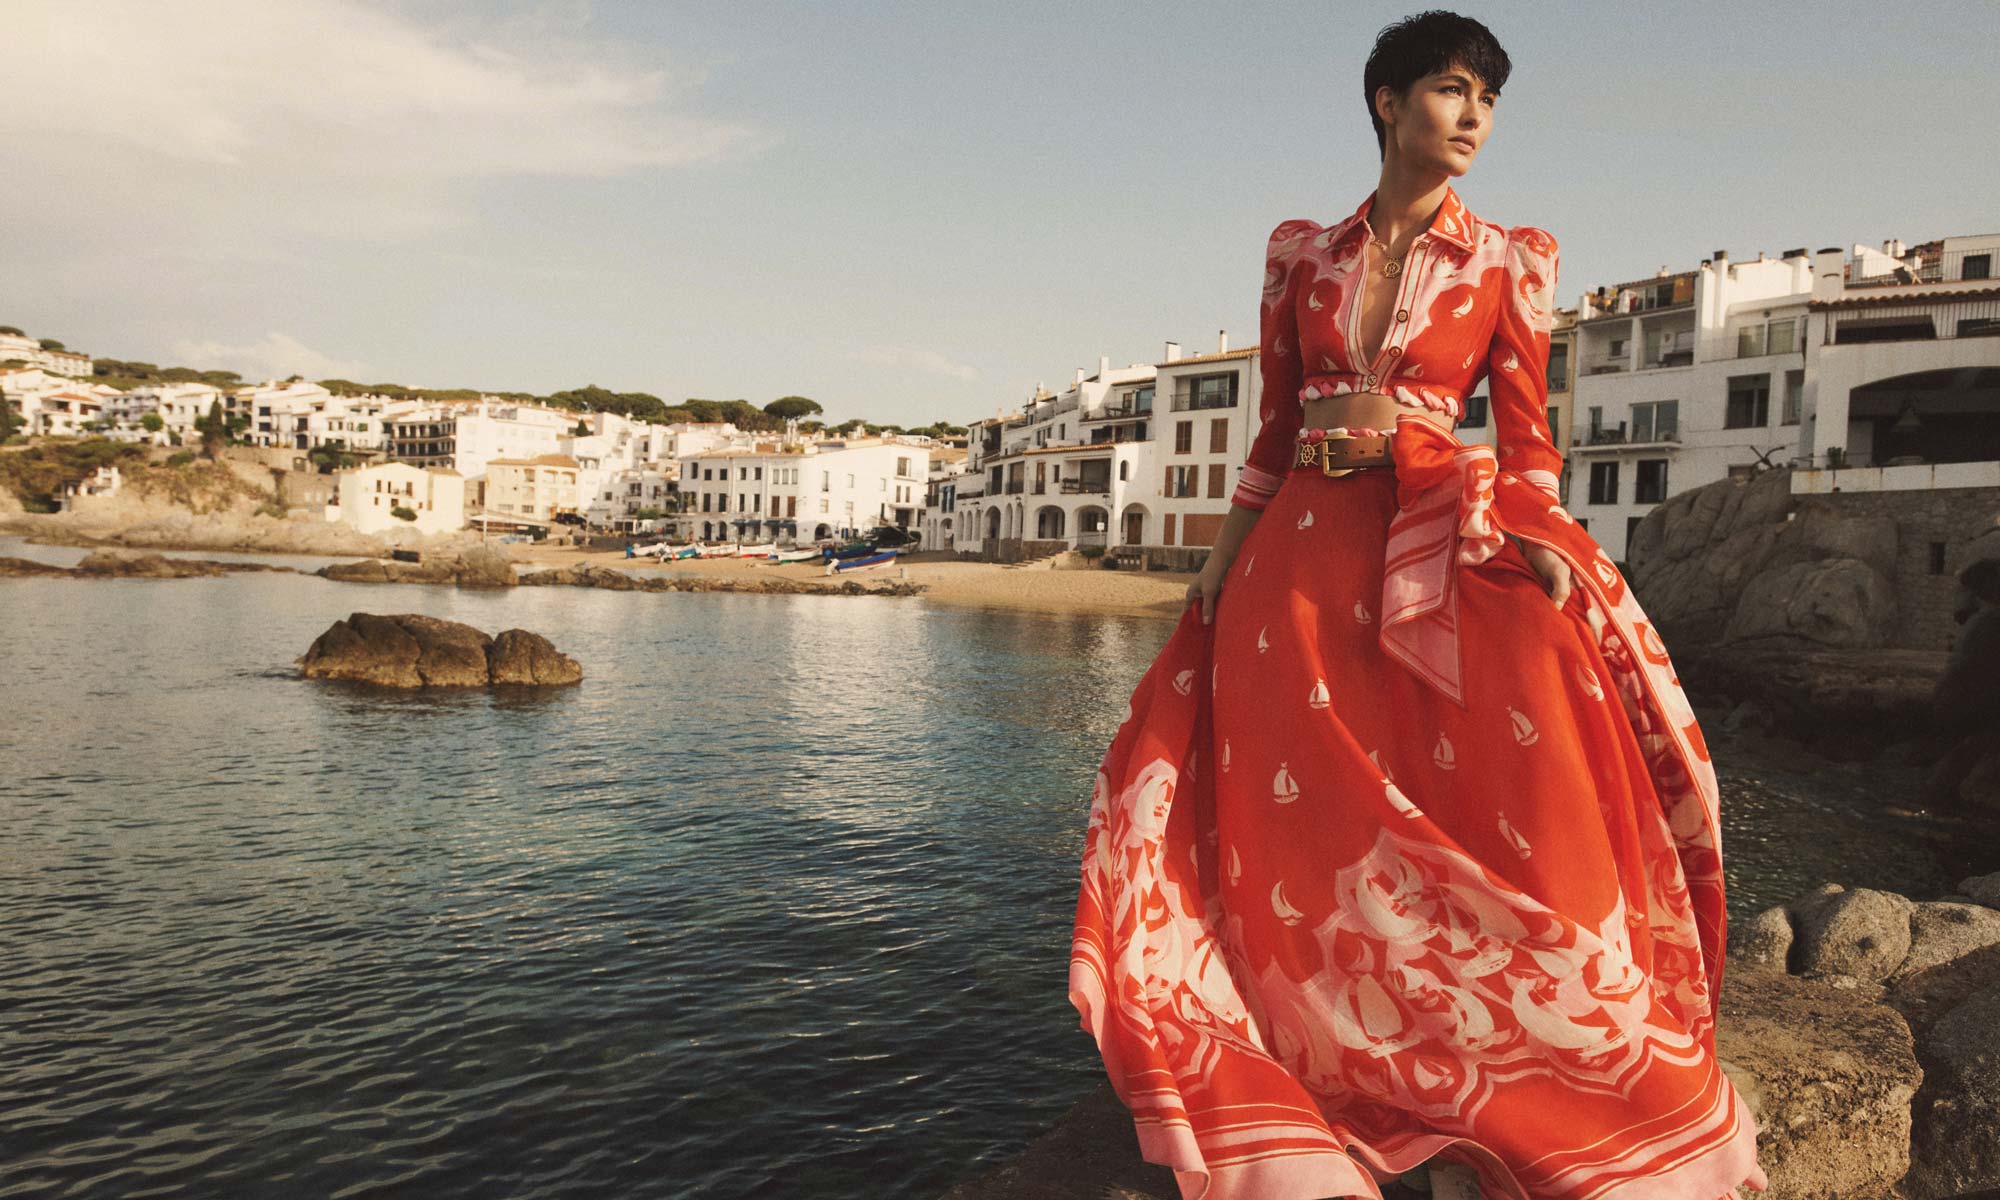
517,656
1945,931
1863,933
1763,940
106,563
1827,1072
409,650
1984,889
1956,1148
1832,602
484,566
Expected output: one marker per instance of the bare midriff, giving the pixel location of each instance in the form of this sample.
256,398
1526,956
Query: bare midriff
1363,410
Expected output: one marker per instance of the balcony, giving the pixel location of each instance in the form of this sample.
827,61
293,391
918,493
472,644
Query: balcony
1918,323
1120,412
1584,438
1086,487
1948,268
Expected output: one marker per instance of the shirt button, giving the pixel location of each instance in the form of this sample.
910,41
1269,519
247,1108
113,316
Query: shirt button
1370,381
1402,314
1394,351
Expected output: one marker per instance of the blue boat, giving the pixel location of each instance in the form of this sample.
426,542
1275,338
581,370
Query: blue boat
872,560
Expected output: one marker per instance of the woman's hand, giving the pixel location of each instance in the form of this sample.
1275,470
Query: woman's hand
1551,567
1207,586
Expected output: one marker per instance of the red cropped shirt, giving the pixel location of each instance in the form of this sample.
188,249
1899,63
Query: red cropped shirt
1475,299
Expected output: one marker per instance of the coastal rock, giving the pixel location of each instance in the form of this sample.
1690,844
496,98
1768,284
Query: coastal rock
146,566
1984,889
517,656
410,650
484,566
1765,939
1864,933
1834,602
1943,932
1808,691
1829,1075
26,568
1957,1143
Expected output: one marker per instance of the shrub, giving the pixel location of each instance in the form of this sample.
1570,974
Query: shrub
273,508
403,514
180,459
1091,552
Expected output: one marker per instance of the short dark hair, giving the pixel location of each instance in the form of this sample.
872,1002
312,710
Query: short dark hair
1423,45
1981,577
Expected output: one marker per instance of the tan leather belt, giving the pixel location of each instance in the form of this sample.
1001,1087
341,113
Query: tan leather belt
1343,453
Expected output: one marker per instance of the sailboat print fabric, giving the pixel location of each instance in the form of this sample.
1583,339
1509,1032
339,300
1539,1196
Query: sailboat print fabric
1337,918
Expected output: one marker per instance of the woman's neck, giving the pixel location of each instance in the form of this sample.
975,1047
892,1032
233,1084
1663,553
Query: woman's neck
1405,200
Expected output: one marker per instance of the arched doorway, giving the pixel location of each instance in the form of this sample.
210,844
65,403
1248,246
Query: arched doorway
1049,523
1132,532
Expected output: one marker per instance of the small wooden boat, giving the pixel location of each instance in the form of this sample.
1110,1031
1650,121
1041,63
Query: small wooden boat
869,560
808,554
852,550
763,551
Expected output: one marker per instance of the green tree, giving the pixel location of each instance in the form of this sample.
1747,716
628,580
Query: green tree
786,407
51,344
152,422
214,429
582,428
7,419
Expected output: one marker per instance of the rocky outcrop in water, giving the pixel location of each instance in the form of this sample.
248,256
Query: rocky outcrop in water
409,650
479,567
1862,1028
107,565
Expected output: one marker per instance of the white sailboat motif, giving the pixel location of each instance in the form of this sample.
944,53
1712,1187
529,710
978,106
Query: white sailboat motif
1319,698
1225,757
1588,678
1282,907
1464,308
1557,511
1513,362
1313,301
1443,756
1263,643
1248,563
1524,730
1235,867
1514,839
1375,756
1399,801
1284,789
1361,613
1184,682
1306,520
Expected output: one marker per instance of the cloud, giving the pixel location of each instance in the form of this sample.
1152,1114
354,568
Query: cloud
330,117
278,356
904,358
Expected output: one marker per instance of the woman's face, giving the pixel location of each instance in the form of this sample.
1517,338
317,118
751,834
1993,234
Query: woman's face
1443,122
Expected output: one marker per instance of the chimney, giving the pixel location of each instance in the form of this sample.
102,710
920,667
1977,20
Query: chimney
1173,351
1829,275
1222,341
1103,367
1079,377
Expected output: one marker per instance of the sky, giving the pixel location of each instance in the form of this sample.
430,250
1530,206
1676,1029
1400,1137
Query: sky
905,211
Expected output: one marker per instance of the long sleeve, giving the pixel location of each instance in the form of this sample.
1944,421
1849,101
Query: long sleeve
1279,410
1518,360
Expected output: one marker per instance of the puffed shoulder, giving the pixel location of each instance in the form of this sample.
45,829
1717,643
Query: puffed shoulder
1283,247
1532,256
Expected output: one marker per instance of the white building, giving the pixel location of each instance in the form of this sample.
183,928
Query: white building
468,436
1882,359
368,498
15,347
539,489
802,491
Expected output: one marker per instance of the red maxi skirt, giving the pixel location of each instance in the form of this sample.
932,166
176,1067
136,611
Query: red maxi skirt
1397,860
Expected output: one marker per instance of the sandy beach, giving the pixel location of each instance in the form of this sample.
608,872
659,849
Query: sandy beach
957,582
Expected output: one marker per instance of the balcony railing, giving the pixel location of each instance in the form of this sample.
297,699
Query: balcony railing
1947,268
1918,323
1119,412
1617,435
1086,487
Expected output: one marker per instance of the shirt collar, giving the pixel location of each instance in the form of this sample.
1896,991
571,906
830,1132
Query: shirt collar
1452,222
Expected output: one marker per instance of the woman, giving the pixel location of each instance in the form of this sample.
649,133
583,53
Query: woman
1407,849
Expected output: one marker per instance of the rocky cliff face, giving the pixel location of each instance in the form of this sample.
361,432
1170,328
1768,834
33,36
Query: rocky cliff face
1734,561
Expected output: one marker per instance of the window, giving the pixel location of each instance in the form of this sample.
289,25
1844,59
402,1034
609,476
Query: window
1559,366
1937,558
1650,487
1183,437
1781,336
850,479
1795,390
1475,413
1977,266
1618,347
1218,435
1656,421
1217,472
1749,402
1631,528
1180,482
1604,483
1205,391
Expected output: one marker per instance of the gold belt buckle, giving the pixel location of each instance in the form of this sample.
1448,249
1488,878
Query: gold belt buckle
1318,450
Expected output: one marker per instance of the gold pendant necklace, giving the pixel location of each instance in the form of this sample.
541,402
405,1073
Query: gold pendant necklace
1394,266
